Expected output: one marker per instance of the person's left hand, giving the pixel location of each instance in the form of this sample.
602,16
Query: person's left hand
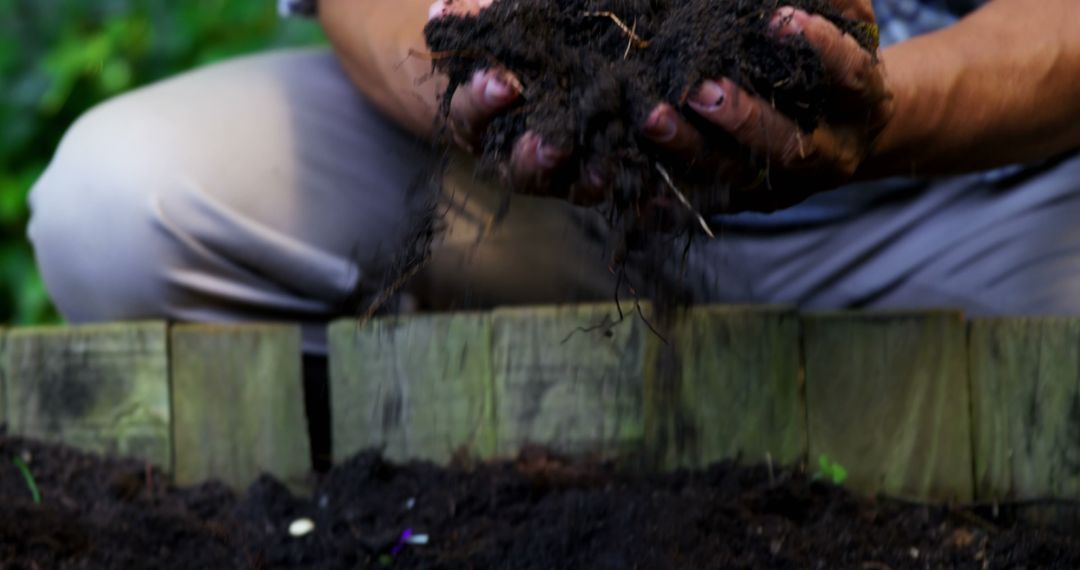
792,164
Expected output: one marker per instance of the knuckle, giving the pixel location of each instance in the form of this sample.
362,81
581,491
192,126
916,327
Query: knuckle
462,130
883,108
847,163
796,152
840,165
822,34
460,107
745,122
856,69
850,65
820,157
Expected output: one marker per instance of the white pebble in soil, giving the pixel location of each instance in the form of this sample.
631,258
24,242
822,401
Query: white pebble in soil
418,539
301,527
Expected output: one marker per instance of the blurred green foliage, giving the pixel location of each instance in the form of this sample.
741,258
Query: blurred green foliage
60,57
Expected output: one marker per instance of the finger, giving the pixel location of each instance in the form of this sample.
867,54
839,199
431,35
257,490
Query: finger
456,7
667,128
850,67
751,121
475,104
533,164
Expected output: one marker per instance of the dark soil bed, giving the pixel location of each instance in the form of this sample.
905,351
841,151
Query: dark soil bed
537,512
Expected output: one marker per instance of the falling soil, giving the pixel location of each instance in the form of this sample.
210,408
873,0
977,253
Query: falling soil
591,71
536,512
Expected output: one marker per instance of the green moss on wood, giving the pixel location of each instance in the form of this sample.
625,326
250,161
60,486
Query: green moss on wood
887,397
417,387
569,377
1025,380
102,388
238,404
728,386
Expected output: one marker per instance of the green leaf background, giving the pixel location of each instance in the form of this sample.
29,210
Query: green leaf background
60,57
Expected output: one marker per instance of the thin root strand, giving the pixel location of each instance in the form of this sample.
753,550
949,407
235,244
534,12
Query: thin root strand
634,38
686,203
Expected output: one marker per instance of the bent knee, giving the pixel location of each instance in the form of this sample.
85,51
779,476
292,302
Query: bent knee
90,224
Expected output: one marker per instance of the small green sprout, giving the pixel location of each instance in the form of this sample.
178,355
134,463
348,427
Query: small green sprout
831,470
30,482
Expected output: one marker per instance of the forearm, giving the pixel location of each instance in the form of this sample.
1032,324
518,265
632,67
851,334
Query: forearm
999,87
381,45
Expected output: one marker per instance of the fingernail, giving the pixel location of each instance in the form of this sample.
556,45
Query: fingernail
787,21
496,92
709,97
547,157
437,10
661,126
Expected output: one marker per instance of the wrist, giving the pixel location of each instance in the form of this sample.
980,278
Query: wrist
885,154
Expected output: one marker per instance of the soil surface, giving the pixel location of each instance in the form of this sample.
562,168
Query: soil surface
536,512
591,71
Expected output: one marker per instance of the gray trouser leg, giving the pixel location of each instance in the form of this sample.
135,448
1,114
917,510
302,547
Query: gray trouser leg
1010,246
267,188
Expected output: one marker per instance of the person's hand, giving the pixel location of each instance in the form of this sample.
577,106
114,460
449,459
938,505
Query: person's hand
792,164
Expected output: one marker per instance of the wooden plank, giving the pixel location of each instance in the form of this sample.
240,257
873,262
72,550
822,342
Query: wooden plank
102,388
887,398
238,404
728,387
1025,382
3,377
569,379
417,387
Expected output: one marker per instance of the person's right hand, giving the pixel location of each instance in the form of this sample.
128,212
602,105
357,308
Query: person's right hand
792,163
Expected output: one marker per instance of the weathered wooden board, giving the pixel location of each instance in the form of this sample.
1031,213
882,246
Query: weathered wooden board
102,388
417,387
238,404
569,378
887,398
728,386
3,380
1025,387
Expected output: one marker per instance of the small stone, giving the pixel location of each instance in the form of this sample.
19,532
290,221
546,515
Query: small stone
301,527
417,539
962,538
409,504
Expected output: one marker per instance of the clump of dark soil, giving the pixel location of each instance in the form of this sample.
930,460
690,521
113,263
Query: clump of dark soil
536,512
591,71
